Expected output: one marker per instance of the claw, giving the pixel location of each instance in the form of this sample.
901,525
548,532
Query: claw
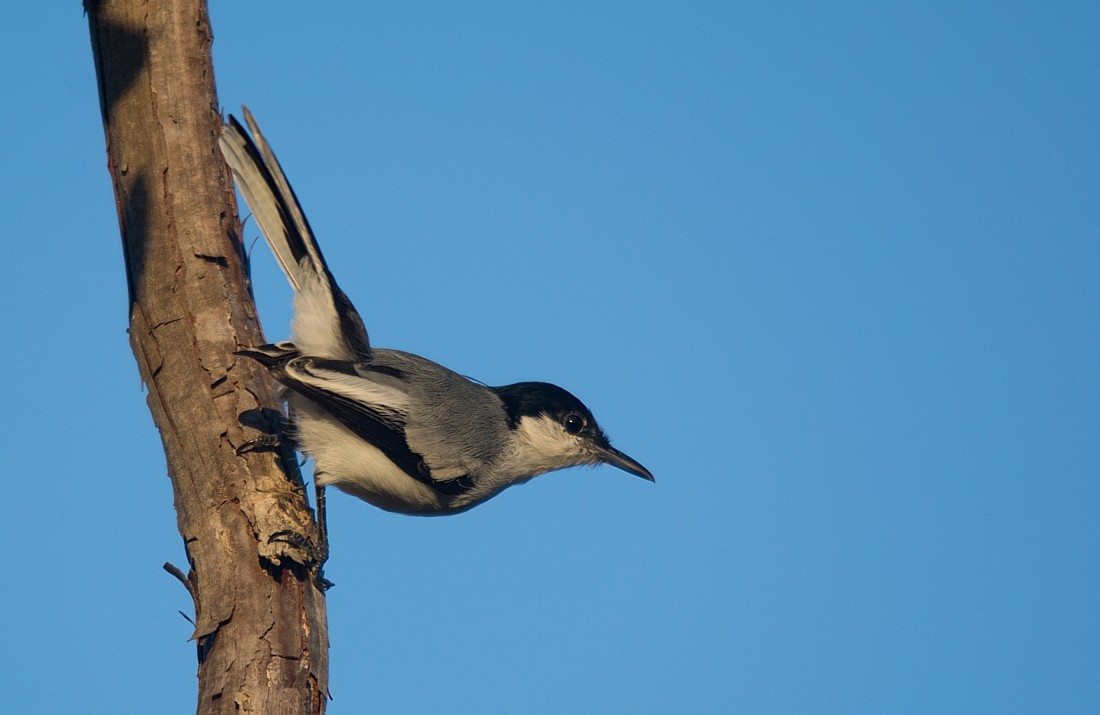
317,555
263,442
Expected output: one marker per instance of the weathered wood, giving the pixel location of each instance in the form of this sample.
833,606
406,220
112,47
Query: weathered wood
260,620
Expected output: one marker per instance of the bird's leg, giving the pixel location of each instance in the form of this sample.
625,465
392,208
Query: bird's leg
322,539
322,522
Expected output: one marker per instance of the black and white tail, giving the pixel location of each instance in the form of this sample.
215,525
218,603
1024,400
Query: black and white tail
325,322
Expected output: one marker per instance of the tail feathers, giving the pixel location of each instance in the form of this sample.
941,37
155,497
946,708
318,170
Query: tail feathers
269,196
326,323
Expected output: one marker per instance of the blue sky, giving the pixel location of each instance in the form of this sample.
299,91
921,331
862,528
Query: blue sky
829,270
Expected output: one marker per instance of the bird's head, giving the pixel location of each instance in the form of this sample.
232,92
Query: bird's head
552,429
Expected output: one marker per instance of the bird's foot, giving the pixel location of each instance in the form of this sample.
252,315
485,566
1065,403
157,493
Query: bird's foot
316,555
265,442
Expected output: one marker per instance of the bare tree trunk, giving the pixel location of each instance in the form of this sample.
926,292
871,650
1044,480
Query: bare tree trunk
260,620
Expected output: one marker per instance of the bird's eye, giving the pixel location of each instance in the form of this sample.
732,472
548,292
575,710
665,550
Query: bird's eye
574,423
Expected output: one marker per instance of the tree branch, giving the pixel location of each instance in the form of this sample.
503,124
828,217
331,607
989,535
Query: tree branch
260,620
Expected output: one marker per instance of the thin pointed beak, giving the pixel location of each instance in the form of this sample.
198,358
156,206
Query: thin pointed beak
612,456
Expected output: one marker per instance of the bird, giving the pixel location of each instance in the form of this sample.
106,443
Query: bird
394,429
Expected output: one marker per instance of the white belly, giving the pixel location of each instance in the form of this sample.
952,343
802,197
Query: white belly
347,462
